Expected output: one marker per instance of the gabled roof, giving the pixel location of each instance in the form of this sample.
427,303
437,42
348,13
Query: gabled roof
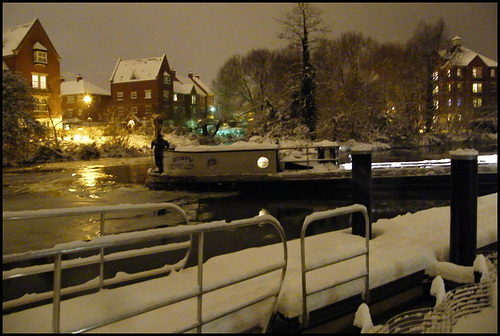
459,55
13,37
81,87
137,70
185,85
202,85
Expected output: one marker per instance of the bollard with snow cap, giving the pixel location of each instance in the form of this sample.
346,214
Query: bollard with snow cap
362,187
463,206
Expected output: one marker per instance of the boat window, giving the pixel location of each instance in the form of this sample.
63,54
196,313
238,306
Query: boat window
263,162
212,163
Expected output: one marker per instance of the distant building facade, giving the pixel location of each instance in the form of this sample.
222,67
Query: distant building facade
193,101
465,87
141,91
27,49
152,95
83,103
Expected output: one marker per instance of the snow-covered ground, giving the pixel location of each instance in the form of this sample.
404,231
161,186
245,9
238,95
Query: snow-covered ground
400,246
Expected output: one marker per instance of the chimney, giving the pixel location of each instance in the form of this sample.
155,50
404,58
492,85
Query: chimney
61,79
79,77
197,76
190,75
457,41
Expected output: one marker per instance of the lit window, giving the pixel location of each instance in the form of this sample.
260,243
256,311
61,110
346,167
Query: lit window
435,75
436,89
436,104
449,87
459,86
449,102
147,94
477,87
193,99
39,81
40,56
448,73
493,72
477,72
477,102
119,96
459,72
133,95
175,96
459,102
41,104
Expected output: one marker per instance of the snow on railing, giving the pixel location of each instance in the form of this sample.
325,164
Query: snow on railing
196,290
310,265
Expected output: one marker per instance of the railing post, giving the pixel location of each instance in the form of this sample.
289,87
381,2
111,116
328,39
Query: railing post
463,207
56,308
362,188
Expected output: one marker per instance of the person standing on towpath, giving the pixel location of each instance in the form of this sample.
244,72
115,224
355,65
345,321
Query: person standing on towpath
160,145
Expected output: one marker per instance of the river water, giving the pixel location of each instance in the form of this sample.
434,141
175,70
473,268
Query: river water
121,181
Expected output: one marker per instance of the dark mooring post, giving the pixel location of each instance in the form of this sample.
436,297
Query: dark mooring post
362,188
463,226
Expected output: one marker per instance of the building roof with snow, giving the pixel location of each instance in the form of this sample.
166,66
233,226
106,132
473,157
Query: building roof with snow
137,70
82,86
185,85
14,36
458,55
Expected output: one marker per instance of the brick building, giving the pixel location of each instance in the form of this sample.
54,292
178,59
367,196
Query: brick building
27,49
465,87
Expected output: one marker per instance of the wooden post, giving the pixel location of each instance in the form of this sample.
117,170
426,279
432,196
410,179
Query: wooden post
463,205
362,187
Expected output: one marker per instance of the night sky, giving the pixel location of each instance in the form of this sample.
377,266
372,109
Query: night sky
199,38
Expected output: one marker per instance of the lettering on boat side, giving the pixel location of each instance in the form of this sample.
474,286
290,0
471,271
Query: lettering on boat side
182,162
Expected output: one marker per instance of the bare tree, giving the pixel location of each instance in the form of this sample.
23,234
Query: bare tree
299,26
424,48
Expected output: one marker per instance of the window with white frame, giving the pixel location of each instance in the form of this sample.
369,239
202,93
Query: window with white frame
147,94
70,113
70,99
477,87
477,72
166,78
133,95
119,96
40,57
134,110
39,81
493,73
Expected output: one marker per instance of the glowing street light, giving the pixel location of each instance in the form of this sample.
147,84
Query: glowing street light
88,100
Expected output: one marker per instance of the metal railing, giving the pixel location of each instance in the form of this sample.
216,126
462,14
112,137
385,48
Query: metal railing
316,216
314,153
122,239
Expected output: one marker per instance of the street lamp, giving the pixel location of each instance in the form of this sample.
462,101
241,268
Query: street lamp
88,99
